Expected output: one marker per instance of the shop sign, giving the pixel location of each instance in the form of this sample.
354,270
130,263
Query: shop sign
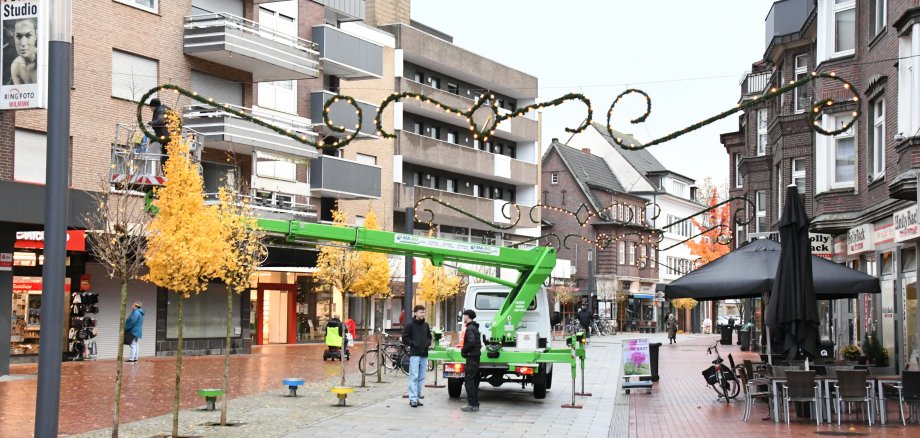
840,247
859,239
636,357
6,261
820,245
884,234
905,225
76,240
33,284
24,79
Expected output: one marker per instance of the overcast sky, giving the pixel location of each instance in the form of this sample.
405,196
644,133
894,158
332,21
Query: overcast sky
689,56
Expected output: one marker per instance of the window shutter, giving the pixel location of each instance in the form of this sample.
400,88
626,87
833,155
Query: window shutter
221,90
234,7
132,75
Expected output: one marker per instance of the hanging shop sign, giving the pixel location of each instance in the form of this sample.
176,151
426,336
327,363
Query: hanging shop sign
76,240
884,234
859,239
821,245
24,58
905,225
840,248
6,261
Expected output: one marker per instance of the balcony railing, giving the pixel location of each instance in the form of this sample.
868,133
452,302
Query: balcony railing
427,151
137,162
339,178
270,205
346,55
483,208
342,114
222,130
246,45
755,83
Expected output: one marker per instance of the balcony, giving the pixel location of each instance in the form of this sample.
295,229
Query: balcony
136,162
342,114
271,205
346,55
517,129
487,209
787,17
332,177
224,131
426,151
242,44
754,84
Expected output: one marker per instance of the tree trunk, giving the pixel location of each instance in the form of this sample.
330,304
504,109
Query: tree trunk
175,419
119,358
227,345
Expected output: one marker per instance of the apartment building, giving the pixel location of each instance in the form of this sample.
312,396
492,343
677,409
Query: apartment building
615,243
277,60
859,186
434,154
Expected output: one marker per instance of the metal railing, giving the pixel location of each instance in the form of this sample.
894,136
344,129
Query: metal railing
224,19
297,125
135,160
755,83
270,204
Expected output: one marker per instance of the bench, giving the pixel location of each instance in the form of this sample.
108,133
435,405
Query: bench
210,397
643,384
292,383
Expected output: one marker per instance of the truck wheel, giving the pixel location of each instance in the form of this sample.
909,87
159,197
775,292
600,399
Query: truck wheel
539,385
454,385
549,380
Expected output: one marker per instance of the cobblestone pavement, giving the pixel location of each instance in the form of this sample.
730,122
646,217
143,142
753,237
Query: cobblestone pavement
683,406
87,387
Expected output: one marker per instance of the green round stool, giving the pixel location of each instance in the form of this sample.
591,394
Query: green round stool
210,396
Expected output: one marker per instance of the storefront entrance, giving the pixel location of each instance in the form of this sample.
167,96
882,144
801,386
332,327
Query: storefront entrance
275,314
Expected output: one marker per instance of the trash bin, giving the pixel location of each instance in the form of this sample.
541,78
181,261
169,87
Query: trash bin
826,349
744,338
726,332
653,361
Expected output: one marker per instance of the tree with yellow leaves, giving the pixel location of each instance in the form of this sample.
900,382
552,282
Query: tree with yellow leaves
437,284
187,246
246,253
374,280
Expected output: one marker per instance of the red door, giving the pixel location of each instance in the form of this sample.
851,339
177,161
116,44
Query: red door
291,313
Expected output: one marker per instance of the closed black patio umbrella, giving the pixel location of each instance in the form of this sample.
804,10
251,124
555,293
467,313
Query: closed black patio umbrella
793,308
749,272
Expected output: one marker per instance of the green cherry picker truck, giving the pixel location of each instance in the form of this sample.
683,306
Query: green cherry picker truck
512,350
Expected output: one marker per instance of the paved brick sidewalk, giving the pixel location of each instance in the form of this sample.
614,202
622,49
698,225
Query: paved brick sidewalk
683,406
87,387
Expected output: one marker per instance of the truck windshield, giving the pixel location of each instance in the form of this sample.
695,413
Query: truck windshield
494,300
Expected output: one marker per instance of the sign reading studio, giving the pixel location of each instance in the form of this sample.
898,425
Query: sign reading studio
24,58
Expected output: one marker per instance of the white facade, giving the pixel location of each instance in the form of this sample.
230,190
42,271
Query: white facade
677,261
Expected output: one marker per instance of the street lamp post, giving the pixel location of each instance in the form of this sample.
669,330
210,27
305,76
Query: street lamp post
47,401
591,280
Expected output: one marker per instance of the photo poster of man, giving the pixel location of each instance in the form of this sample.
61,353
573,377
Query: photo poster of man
24,43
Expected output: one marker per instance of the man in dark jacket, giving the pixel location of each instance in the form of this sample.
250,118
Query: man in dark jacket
584,318
417,336
472,347
158,123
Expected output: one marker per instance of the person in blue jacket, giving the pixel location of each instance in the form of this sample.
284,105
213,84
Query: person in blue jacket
134,326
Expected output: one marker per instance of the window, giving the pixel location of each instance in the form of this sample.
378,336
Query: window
453,88
494,301
801,93
435,83
452,185
679,188
761,204
433,181
452,137
877,13
877,140
761,132
366,159
436,132
908,86
359,221
739,180
512,151
419,77
487,146
843,27
132,75
279,96
418,128
498,193
498,148
621,252
29,156
779,193
147,5
844,157
798,174
417,178
476,190
643,256
683,229
630,254
554,178
268,166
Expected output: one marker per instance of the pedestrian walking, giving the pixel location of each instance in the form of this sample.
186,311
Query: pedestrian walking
416,335
584,318
672,328
472,348
134,327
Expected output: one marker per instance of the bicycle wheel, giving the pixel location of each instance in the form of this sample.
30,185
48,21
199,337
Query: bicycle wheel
368,363
403,362
730,385
390,356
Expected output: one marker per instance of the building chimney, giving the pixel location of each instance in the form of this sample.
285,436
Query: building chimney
586,150
555,140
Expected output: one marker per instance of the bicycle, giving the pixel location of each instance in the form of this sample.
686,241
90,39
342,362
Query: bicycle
393,355
721,378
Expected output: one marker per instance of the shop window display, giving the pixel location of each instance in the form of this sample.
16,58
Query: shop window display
26,315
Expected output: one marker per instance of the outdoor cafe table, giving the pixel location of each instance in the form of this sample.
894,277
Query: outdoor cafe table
824,392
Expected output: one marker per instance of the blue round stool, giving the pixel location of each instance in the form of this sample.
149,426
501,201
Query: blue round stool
292,383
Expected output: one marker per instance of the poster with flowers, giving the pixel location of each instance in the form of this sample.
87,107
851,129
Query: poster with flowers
636,357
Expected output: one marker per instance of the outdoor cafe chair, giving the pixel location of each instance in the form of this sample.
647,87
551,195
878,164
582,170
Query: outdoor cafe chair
853,386
801,387
751,392
908,392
